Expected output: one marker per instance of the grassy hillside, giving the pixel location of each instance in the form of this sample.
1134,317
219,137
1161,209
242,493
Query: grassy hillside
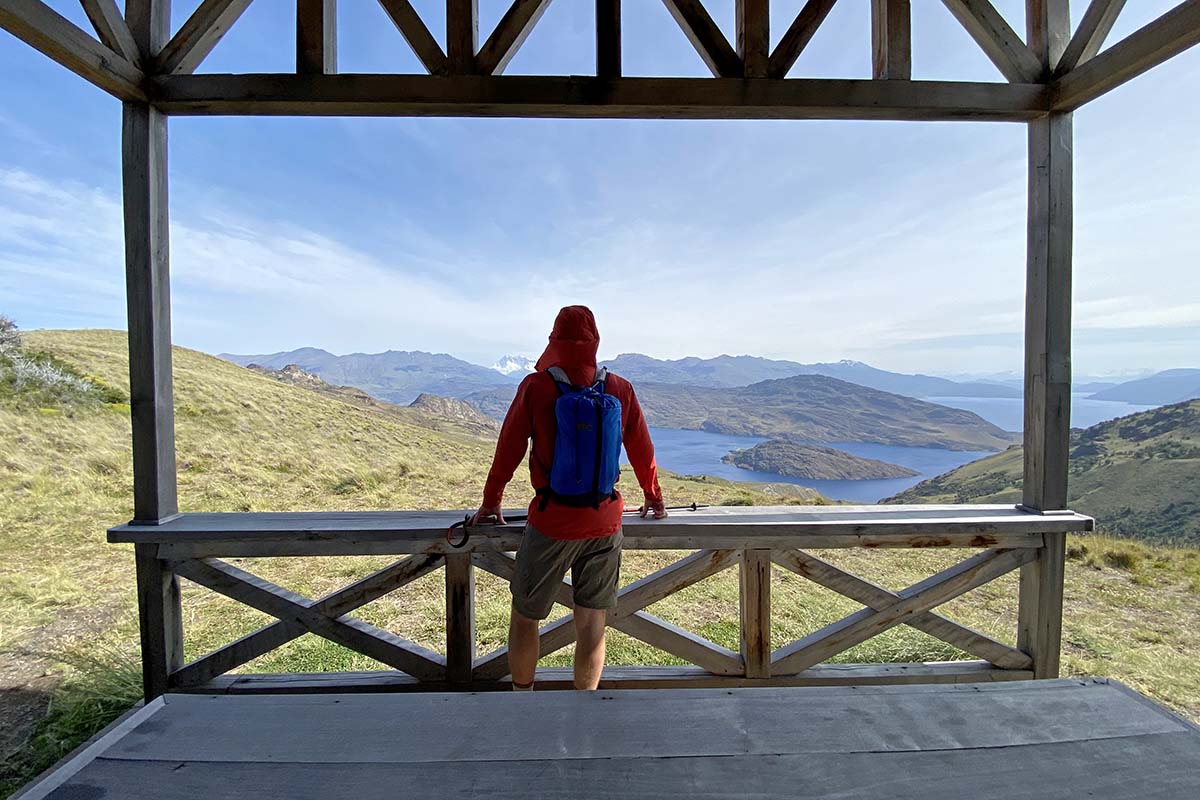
249,442
1139,476
817,408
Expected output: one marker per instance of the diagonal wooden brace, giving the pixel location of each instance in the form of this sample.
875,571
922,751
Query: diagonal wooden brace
297,610
876,597
862,625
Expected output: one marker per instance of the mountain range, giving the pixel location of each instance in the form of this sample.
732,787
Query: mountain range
1161,388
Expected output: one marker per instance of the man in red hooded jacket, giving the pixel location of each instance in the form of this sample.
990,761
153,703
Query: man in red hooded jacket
558,537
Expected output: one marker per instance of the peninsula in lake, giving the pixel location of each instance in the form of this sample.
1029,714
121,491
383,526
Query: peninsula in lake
814,462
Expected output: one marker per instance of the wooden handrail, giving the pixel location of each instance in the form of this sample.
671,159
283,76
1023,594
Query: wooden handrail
751,539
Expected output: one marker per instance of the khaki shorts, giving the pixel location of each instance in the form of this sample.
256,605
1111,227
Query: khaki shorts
542,562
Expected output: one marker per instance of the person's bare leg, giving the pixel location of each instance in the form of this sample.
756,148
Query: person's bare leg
589,647
522,648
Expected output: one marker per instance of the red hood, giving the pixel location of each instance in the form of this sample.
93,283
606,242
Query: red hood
573,345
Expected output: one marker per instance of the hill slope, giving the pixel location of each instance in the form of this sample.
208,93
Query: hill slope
816,408
1138,475
781,457
1169,386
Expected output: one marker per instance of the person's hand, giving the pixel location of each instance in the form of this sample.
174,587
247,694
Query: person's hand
658,507
488,514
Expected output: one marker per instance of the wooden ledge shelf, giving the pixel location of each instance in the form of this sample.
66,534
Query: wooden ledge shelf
767,527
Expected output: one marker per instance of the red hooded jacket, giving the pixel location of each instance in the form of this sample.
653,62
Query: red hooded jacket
573,345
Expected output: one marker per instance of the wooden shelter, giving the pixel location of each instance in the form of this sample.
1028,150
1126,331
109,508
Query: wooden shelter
1047,74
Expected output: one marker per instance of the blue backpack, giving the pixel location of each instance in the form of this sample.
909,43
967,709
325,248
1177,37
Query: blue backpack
587,446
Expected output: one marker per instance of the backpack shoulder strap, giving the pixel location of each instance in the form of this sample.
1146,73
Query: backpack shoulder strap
601,377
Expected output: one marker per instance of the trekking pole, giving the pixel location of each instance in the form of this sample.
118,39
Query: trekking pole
525,517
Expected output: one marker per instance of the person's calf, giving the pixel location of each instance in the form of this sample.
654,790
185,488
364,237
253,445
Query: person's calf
522,649
589,647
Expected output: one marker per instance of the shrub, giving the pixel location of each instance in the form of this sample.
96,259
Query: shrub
10,337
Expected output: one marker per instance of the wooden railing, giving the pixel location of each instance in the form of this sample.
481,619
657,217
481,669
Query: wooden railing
750,539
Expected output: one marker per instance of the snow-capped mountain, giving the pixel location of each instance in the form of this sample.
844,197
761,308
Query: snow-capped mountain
509,365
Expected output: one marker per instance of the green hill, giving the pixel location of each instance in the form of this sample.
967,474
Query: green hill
812,461
247,441
817,408
1139,476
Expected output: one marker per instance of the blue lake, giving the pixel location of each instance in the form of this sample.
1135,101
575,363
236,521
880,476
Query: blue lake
700,452
1008,412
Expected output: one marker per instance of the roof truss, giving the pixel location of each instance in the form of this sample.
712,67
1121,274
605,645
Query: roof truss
748,76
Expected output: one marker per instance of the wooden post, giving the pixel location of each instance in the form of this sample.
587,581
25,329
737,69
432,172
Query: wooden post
460,618
462,35
1047,347
608,38
148,289
160,620
316,37
891,38
755,606
754,36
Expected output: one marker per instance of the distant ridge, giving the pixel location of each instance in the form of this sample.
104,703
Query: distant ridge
1161,388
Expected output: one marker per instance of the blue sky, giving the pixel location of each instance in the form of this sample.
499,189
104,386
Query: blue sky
900,244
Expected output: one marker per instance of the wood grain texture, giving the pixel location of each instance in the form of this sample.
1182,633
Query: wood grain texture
59,39
316,37
510,33
160,621
754,605
148,303
997,39
891,40
460,618
1097,23
414,30
708,40
797,36
198,35
1144,49
112,30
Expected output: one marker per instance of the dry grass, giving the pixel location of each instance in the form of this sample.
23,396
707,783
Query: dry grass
247,442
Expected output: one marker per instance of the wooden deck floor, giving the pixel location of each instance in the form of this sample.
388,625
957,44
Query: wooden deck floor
1064,738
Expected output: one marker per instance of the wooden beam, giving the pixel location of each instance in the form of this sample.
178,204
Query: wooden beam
1093,29
198,35
1144,49
680,643
417,34
59,39
608,38
891,38
754,602
112,29
316,37
997,39
460,618
584,97
160,621
797,36
706,37
754,36
929,593
462,35
510,33
1048,31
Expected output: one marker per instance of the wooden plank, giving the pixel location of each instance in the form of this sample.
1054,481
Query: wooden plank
711,45
279,633
198,35
354,634
1040,607
316,37
891,38
59,39
608,39
510,33
997,39
869,594
860,626
460,618
160,621
148,300
680,642
671,578
462,35
754,36
797,36
1144,49
417,34
754,604
551,638
1097,23
112,30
